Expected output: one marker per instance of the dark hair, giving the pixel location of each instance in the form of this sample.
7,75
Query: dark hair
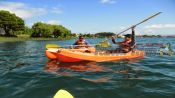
80,36
128,35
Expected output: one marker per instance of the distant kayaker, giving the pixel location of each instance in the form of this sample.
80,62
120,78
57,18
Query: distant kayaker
83,45
81,42
128,44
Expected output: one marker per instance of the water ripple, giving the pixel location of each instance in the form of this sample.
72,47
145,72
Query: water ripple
26,73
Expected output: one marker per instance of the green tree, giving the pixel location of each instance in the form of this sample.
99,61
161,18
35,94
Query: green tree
27,30
42,30
47,30
88,35
10,23
104,34
74,35
60,31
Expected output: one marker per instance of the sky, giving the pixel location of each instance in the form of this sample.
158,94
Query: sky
92,16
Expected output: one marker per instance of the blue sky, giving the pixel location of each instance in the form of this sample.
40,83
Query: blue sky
91,16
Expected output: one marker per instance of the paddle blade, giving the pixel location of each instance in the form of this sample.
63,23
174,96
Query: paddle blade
63,94
104,44
52,46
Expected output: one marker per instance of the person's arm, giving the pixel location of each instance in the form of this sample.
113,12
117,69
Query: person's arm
86,43
113,40
75,43
133,36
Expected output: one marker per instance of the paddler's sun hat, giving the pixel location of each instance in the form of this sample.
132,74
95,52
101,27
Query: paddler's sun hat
128,35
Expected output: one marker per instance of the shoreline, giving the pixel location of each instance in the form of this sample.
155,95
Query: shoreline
16,39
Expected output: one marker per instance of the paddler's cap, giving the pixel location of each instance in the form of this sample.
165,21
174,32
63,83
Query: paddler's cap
128,35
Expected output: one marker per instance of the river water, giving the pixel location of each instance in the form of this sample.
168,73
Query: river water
27,73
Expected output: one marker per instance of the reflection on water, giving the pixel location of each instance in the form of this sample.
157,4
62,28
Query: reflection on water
68,69
54,65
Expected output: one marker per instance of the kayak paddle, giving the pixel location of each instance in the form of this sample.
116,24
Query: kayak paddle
138,23
52,46
104,44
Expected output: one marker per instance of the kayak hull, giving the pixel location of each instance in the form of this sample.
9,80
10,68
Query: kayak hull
67,55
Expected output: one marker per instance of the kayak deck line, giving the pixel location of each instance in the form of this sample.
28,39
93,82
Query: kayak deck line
117,53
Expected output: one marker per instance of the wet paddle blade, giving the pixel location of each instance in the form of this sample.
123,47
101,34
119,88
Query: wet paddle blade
63,94
104,44
52,46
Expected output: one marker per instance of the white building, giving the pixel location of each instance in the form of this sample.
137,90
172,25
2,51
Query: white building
2,31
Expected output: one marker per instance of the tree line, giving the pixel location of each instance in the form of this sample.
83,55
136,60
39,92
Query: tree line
47,30
98,35
13,25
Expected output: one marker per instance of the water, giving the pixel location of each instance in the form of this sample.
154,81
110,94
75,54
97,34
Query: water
27,73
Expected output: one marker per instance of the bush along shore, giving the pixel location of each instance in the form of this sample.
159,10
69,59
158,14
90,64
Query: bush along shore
15,39
14,26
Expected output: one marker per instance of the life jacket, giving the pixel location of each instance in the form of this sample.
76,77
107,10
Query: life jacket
126,45
81,42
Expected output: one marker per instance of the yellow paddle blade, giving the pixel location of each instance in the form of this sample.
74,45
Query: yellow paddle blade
52,46
63,94
104,44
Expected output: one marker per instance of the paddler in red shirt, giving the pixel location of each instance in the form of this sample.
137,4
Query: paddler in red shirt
81,42
83,45
128,44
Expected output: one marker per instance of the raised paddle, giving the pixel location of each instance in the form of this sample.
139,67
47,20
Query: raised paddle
140,22
105,43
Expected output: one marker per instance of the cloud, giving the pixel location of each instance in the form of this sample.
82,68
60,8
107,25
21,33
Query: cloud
22,10
54,22
122,27
161,26
108,1
149,32
56,10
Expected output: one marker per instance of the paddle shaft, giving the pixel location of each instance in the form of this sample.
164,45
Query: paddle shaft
140,22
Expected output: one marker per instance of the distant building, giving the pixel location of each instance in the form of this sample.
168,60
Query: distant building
2,31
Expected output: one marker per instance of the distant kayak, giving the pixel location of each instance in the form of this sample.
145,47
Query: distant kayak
77,55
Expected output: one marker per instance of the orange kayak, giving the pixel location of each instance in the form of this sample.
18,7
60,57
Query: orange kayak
76,55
